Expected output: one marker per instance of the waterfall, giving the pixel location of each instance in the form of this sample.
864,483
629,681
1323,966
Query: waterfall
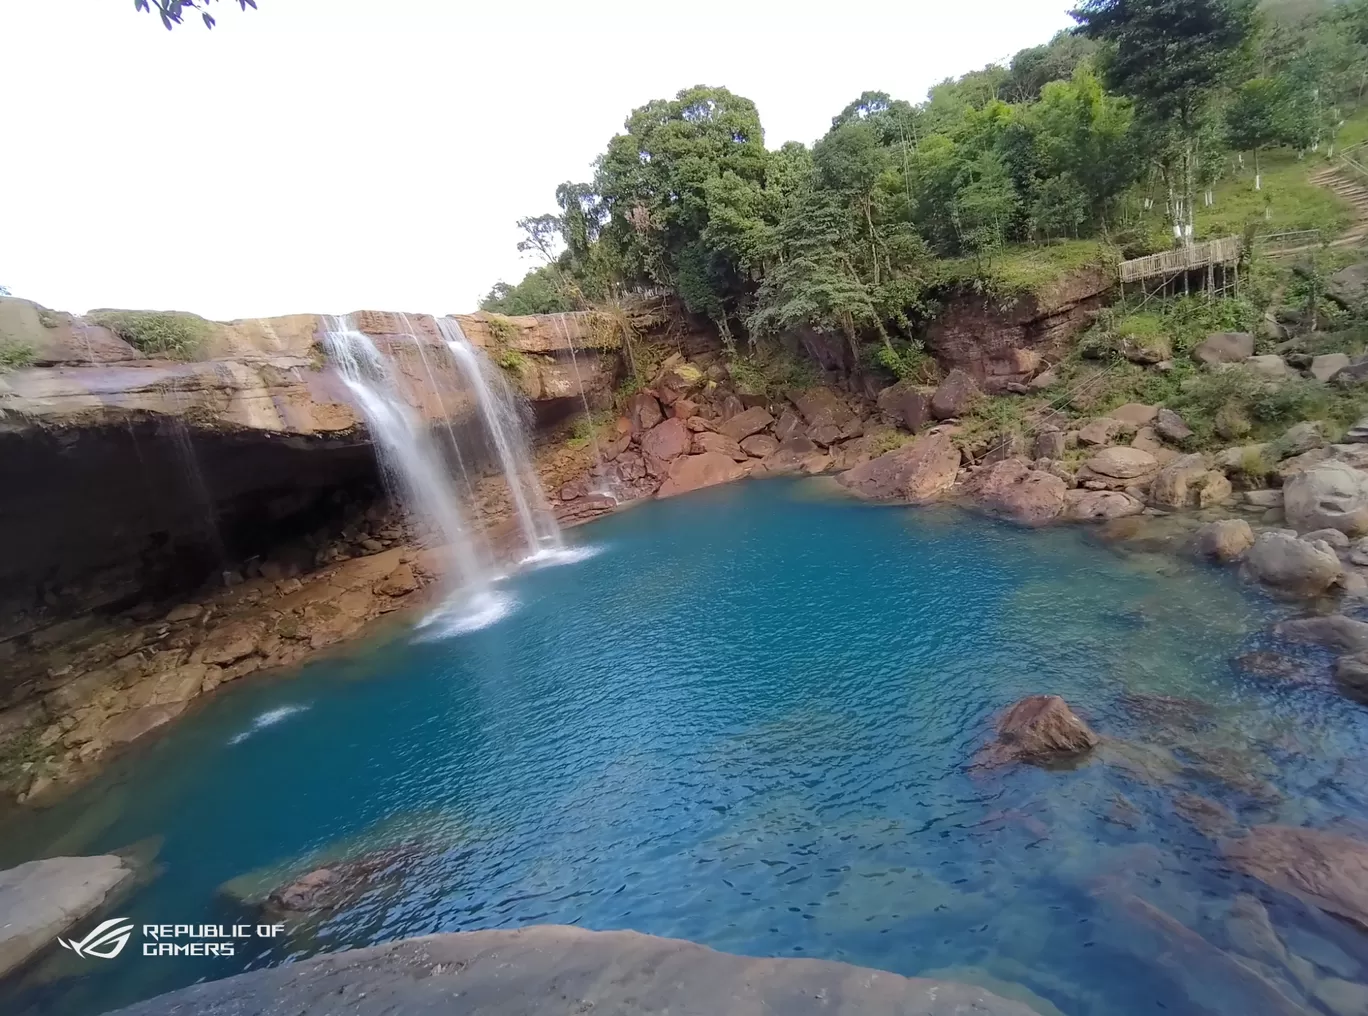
502,417
579,379
411,462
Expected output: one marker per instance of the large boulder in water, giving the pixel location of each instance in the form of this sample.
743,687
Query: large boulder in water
797,455
1039,728
40,900
1301,567
1099,505
918,471
1186,482
691,472
1225,540
538,970
1327,870
1015,489
1330,496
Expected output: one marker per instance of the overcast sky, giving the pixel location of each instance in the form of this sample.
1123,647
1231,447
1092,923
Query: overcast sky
329,155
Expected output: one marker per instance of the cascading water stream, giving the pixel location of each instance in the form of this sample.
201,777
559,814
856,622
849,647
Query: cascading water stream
500,411
411,461
579,379
441,403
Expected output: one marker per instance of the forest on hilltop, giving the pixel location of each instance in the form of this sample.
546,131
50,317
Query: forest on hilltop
1114,131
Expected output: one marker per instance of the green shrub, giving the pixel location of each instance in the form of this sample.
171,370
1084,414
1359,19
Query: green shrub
14,355
165,333
503,330
511,360
908,361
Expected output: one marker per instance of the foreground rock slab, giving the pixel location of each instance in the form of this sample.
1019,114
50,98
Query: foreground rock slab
1325,869
917,471
551,971
40,900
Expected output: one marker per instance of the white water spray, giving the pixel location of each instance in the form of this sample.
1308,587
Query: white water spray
502,417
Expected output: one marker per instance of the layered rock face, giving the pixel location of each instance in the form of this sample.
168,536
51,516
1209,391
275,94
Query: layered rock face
131,476
998,343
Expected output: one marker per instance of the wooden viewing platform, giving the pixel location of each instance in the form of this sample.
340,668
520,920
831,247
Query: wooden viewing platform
1224,251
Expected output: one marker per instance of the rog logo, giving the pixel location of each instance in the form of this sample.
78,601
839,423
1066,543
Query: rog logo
105,942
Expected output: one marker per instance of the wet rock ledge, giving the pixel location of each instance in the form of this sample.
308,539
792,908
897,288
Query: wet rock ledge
557,970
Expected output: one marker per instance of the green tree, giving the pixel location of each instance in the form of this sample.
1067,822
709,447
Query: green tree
172,12
541,291
1171,57
1259,116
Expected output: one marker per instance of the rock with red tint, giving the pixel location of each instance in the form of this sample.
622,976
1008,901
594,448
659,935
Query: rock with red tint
759,446
684,409
954,396
918,471
666,440
692,472
797,455
1015,489
1039,728
644,412
1327,870
720,443
748,422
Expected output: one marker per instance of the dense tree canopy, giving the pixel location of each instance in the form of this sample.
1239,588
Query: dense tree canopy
854,235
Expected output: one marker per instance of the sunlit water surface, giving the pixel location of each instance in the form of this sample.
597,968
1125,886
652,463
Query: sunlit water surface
749,720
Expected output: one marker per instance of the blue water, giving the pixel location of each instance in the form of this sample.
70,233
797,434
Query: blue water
750,721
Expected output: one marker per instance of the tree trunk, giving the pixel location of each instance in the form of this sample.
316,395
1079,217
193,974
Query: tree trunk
1258,177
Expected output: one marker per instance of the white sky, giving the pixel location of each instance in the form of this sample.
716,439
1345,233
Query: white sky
330,155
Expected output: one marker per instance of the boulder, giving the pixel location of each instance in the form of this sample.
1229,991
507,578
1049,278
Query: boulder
1327,365
1334,537
644,412
1186,482
40,900
1146,440
1039,729
684,409
719,443
1224,347
1101,431
911,409
1332,495
1099,505
1266,498
667,440
399,582
692,472
1333,630
1358,433
1015,489
790,425
231,642
1135,414
746,423
698,424
1225,540
824,434
956,394
1299,439
1043,380
1171,427
1281,560
759,446
918,471
820,406
1123,463
1348,286
1351,674
1049,444
731,406
797,455
1327,870
1354,374
1269,365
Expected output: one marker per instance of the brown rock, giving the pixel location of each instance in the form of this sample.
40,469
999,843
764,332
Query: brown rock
1099,505
1102,431
1211,818
1295,566
399,582
746,423
797,455
1224,347
644,412
1225,540
1049,444
1014,488
692,472
1333,630
1135,414
666,440
1178,484
698,425
918,471
1122,463
759,446
684,409
821,406
231,643
1327,870
731,406
1038,729
135,723
790,425
956,394
719,443
1171,427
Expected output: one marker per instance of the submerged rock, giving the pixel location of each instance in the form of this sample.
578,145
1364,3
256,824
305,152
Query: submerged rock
1039,729
40,900
1327,870
550,971
1333,630
918,471
1225,540
1099,505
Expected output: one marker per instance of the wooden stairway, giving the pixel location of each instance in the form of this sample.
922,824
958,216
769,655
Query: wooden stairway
1346,180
